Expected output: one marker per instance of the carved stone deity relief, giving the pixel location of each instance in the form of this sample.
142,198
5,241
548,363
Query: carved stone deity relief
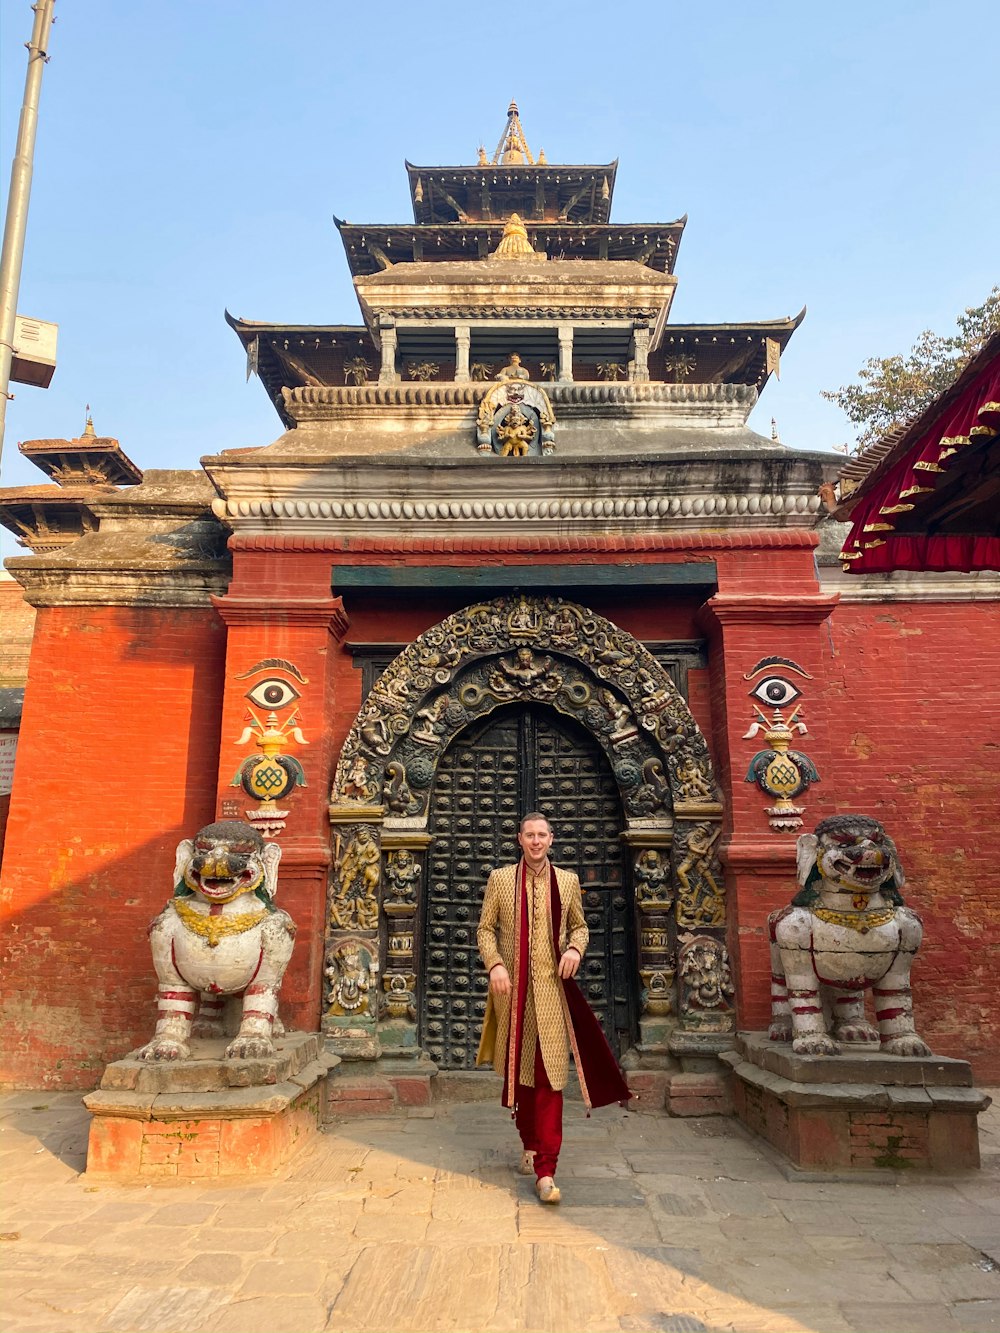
515,419
653,888
402,875
354,893
706,983
350,972
701,897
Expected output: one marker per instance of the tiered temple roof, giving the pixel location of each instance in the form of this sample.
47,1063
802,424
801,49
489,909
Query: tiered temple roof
512,253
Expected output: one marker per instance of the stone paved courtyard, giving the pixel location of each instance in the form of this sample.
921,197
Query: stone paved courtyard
419,1223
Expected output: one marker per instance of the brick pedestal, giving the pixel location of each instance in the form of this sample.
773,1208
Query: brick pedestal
207,1116
857,1112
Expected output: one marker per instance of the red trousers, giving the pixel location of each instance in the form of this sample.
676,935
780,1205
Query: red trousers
538,1116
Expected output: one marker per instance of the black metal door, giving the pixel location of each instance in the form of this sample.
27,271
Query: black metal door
521,759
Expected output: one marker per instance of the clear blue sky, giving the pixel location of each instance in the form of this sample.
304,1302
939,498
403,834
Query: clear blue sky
190,156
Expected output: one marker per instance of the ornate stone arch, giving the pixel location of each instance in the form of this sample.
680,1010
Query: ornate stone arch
542,650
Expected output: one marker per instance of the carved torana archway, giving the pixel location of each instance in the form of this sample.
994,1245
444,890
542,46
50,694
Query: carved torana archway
539,650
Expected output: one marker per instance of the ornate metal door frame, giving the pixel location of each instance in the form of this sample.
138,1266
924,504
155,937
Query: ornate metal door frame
520,650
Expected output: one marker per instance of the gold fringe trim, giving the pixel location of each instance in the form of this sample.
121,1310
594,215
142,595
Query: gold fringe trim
927,467
896,509
877,527
915,490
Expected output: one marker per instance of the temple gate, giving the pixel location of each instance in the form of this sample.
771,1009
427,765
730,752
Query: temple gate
506,705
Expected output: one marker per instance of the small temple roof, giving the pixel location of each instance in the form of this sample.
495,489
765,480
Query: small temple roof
514,180
89,460
372,246
927,496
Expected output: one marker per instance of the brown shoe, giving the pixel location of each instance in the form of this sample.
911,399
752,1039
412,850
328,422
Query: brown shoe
526,1166
547,1190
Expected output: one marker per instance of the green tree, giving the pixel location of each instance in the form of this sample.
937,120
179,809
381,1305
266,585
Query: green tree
894,389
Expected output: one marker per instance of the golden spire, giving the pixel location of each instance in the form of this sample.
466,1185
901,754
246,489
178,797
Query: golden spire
88,431
484,161
512,150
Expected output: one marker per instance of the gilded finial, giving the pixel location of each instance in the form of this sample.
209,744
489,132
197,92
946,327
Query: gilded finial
418,192
514,243
88,431
541,160
774,429
605,189
484,161
512,150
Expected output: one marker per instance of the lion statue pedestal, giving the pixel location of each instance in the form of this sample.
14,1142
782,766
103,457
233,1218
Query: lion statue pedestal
221,1089
827,1086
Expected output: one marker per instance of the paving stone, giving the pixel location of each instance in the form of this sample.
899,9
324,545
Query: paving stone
213,1270
276,1277
898,1318
276,1314
978,1316
163,1310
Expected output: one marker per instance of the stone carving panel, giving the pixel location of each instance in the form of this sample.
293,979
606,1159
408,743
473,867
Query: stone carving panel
356,873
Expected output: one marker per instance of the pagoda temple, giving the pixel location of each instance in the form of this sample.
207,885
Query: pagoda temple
516,547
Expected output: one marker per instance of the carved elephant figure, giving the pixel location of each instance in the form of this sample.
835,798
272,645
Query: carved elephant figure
220,936
848,930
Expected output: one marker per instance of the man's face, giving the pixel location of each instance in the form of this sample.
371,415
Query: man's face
535,839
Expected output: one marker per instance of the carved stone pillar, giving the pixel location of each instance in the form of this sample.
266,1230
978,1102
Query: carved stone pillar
402,880
654,898
463,340
351,956
565,353
640,352
388,339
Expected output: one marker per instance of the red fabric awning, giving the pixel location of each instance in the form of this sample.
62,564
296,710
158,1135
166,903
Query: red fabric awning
957,421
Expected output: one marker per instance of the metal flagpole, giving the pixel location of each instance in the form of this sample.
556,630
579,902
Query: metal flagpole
17,202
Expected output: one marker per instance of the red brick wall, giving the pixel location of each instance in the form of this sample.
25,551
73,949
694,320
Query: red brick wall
123,754
17,622
117,762
914,705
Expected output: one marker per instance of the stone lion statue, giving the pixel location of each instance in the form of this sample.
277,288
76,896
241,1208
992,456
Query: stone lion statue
848,929
219,936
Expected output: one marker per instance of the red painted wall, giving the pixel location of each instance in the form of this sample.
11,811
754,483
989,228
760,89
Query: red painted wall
122,754
116,763
914,705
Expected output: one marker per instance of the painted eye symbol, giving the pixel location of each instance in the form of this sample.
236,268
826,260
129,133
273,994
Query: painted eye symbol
776,691
272,693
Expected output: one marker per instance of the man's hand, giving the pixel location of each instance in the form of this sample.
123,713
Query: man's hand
500,980
569,963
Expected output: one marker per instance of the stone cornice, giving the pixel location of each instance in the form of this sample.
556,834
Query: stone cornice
49,585
320,403
364,497
322,612
772,608
907,586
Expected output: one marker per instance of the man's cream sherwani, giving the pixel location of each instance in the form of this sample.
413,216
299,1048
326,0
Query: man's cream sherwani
545,1012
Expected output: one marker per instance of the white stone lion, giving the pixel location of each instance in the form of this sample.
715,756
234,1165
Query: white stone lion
220,936
846,931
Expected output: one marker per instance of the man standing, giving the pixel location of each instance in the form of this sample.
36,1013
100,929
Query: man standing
532,937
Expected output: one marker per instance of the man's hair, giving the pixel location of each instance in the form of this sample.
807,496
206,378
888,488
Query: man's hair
535,814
